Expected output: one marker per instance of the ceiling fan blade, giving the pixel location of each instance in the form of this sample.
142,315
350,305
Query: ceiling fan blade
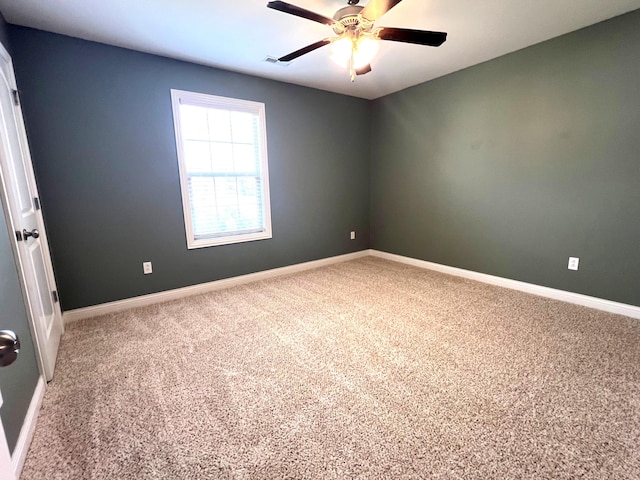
300,12
304,50
421,37
376,8
363,70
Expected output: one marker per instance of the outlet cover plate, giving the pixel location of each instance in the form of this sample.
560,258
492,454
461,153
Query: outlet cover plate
573,263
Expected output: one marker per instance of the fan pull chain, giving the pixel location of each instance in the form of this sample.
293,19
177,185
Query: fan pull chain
352,71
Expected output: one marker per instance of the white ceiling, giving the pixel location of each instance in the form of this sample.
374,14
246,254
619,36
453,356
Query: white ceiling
238,35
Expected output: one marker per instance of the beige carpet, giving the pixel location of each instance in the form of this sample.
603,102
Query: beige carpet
366,369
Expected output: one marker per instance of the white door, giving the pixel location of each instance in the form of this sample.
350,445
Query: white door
6,468
19,188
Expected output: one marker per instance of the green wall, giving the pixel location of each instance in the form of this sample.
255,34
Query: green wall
18,380
512,166
101,134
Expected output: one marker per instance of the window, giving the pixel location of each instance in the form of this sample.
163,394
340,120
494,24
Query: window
222,154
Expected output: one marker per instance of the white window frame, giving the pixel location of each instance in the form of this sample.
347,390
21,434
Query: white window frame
179,97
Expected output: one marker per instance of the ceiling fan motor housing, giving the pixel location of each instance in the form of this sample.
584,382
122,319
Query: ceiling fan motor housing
350,10
349,20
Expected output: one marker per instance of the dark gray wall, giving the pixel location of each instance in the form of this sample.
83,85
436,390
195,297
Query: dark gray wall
102,141
512,166
17,381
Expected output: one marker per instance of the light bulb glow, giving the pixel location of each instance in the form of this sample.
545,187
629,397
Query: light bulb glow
341,51
363,50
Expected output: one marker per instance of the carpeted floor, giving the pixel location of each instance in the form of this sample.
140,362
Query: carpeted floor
365,369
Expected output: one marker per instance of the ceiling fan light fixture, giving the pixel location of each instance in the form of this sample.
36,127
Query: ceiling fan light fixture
357,41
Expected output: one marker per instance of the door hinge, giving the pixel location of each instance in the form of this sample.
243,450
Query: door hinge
36,203
16,98
18,235
54,294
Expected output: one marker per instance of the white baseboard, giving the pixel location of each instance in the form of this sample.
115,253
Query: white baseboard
144,300
570,297
28,428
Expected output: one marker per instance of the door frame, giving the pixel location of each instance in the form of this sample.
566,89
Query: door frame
6,465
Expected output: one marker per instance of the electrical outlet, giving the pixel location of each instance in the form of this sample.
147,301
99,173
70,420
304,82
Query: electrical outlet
353,235
573,263
147,268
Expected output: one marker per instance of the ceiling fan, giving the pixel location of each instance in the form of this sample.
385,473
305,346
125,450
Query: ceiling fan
357,40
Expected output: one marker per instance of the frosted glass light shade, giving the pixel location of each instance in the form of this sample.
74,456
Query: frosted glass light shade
363,50
341,51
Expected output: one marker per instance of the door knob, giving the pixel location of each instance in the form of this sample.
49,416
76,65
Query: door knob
9,347
33,233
